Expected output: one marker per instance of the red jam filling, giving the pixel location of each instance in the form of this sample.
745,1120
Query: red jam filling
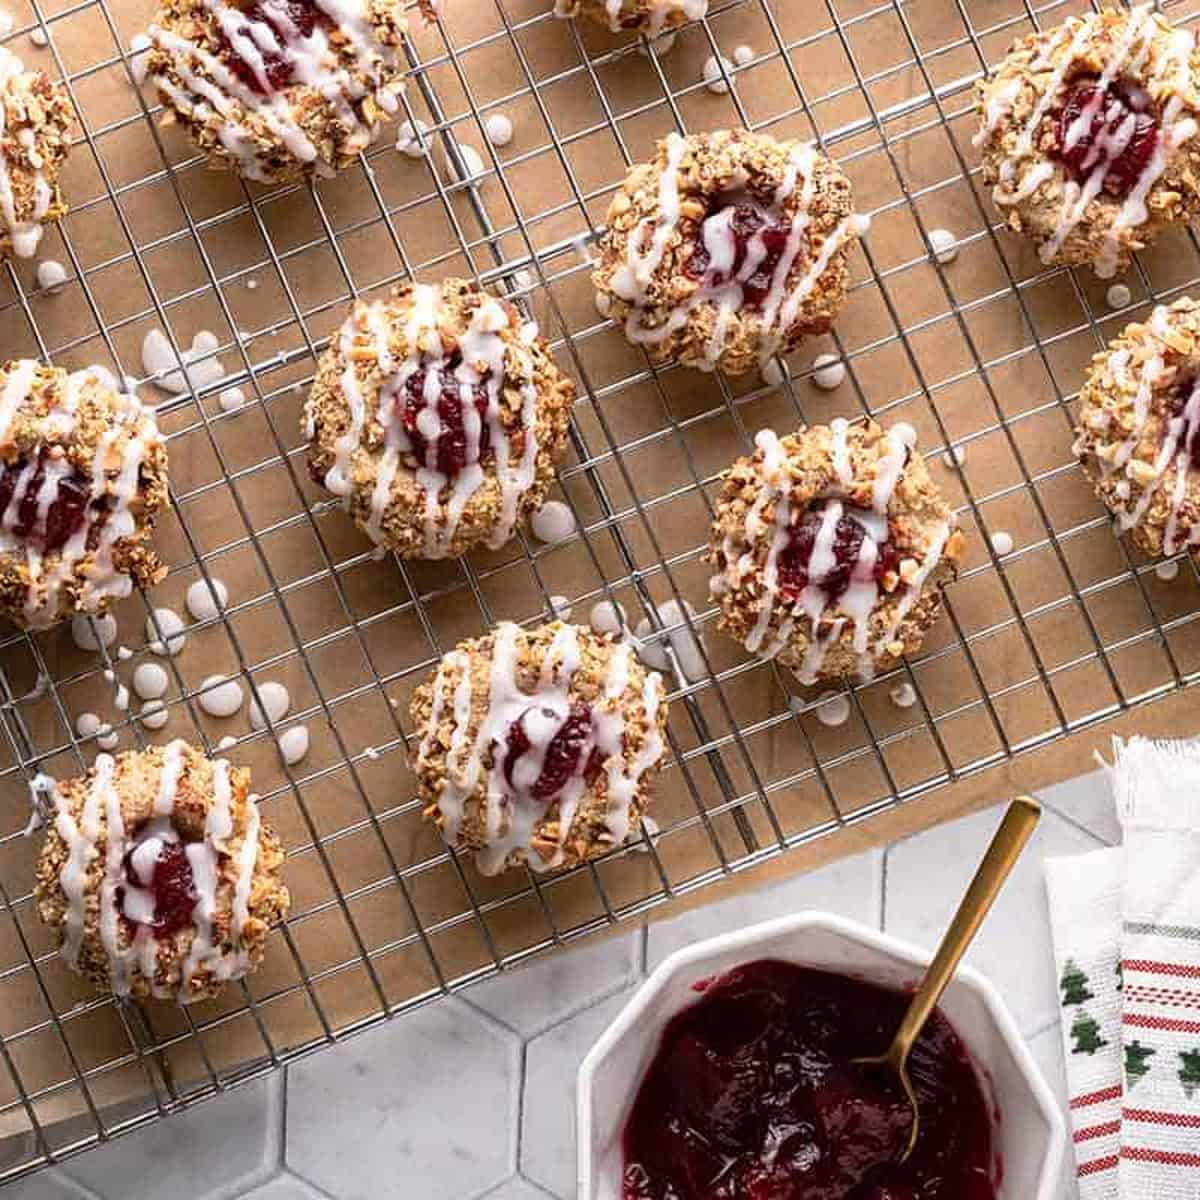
172,886
64,515
1119,137
564,754
753,1095
1182,395
290,20
751,230
849,535
451,452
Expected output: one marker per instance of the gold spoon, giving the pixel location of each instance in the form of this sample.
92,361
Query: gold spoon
1015,830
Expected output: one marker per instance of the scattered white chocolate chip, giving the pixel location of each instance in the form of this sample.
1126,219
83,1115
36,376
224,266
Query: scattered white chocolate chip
231,399
203,368
903,695
1166,571
833,709
201,602
688,649
412,139
227,742
649,648
275,700
607,617
560,606
153,714
293,744
90,633
945,245
121,699
1002,542
743,55
829,372
150,681
251,285
1118,296
773,372
39,37
87,724
904,433
168,623
553,522
51,274
124,653
499,129
371,753
110,676
138,45
713,78
603,303
957,455
220,696
107,738
472,163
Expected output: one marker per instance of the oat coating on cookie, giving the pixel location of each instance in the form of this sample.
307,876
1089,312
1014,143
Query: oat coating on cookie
1138,435
34,141
83,474
1089,137
437,416
538,747
727,248
279,89
158,875
643,16
830,547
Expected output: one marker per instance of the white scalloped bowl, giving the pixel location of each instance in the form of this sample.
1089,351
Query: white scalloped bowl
1030,1129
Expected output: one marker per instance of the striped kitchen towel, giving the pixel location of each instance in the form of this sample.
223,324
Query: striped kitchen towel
1157,788
1085,917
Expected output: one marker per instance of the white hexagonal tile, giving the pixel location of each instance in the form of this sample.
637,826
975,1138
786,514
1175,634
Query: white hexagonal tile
430,1099
548,1122
220,1148
927,876
1088,801
538,995
1047,1051
283,1187
849,887
45,1185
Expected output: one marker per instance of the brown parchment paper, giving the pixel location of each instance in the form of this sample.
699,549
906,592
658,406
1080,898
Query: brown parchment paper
986,353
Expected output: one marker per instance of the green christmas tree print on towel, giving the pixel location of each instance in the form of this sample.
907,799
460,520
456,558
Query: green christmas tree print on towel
1074,985
1086,1033
1189,1073
1137,1062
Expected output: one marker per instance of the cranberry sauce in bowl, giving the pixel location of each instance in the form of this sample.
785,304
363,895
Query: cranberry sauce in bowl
753,1095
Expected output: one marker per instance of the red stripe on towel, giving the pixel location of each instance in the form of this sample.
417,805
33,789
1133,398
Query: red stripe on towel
1090,1098
1154,967
1096,1166
1149,1116
1095,1131
1170,1158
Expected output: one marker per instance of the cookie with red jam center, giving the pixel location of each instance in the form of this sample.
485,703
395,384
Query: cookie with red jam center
829,549
1089,135
538,747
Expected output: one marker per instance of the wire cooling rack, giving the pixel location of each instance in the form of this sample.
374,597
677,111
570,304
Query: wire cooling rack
983,355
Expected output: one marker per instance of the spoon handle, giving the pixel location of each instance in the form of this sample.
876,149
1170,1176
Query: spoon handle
1015,830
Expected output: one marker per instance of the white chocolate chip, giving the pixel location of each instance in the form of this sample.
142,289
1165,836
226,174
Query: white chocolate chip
1118,296
713,79
201,602
833,709
39,37
829,372
499,129
220,696
607,617
1002,542
663,44
560,606
138,45
293,744
107,738
743,55
170,624
227,742
150,681
553,522
51,274
1166,571
87,724
231,399
154,714
409,143
903,695
275,700
773,372
85,636
945,245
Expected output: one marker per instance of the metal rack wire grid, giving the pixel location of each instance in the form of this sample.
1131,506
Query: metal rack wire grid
983,355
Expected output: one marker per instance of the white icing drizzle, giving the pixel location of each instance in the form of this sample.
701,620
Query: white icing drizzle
1171,74
511,821
208,88
721,286
26,234
101,581
483,353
